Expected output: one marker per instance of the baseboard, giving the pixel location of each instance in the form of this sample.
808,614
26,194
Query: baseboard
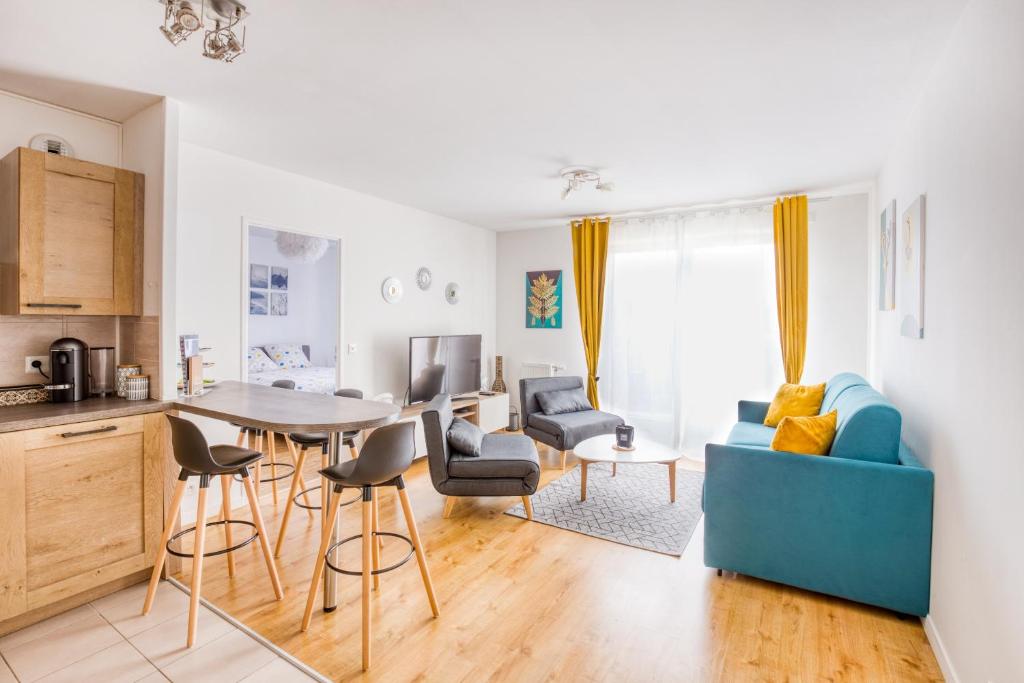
945,663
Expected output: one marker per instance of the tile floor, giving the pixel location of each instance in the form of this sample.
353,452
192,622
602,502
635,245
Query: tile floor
107,640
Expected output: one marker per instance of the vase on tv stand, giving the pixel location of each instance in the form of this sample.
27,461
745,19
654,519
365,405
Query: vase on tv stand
499,379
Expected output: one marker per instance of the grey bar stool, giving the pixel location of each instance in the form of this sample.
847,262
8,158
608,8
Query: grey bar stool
306,441
255,441
198,459
384,458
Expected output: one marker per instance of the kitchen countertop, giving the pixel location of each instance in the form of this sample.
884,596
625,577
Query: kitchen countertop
34,415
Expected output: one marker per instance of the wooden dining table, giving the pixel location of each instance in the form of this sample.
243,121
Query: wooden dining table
283,411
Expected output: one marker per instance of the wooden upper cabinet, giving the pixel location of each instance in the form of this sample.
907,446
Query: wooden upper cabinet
70,236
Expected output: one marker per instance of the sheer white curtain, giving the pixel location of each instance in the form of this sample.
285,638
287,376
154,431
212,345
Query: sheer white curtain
690,323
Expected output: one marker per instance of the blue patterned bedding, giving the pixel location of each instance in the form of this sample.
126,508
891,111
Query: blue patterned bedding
316,379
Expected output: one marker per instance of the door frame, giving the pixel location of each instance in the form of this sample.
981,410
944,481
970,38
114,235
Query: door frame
249,222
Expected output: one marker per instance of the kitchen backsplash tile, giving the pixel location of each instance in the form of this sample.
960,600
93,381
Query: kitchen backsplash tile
138,340
25,336
140,343
29,335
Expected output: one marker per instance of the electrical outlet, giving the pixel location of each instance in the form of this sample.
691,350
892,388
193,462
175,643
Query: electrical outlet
351,348
45,360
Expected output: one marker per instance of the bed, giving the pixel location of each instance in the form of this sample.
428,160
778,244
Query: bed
272,362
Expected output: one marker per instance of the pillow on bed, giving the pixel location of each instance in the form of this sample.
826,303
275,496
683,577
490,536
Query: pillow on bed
259,361
288,356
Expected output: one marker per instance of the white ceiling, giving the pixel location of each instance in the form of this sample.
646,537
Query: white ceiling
469,108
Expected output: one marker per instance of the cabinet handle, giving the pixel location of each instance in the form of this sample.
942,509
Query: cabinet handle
98,430
53,305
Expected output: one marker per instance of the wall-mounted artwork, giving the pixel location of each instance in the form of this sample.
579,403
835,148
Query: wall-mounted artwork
887,259
910,260
257,302
544,299
278,277
279,303
259,276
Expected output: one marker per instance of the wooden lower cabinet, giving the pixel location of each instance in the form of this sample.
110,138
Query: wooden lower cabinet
81,505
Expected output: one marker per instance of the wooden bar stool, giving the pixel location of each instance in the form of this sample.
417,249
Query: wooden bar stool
385,456
305,442
199,459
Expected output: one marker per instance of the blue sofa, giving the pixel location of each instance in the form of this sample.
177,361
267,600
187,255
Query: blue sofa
856,524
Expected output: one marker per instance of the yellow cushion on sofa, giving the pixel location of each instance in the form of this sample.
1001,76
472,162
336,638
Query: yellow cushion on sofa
807,435
795,400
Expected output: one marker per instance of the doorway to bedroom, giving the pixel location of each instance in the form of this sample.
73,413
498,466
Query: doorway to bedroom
292,308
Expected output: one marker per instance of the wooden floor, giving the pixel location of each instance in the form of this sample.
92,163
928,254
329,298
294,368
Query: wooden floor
522,601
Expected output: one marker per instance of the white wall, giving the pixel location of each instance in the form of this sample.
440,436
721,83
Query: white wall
837,340
959,387
143,152
838,291
526,250
378,239
312,303
93,139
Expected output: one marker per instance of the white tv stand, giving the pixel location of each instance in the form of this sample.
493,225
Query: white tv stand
490,413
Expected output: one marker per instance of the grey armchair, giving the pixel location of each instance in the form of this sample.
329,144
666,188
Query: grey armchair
507,464
563,431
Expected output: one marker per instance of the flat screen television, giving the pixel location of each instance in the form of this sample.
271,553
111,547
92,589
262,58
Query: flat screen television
443,365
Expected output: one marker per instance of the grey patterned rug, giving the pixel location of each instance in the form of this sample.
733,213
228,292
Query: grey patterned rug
631,508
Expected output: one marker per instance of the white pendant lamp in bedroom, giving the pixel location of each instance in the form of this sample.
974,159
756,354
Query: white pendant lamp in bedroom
301,248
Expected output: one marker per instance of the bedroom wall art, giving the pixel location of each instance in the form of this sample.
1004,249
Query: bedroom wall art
278,277
258,304
279,303
259,276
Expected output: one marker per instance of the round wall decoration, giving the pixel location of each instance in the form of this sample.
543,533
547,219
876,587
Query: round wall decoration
391,290
423,278
451,293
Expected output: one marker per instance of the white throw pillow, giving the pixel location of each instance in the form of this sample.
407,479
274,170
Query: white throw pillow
259,361
288,356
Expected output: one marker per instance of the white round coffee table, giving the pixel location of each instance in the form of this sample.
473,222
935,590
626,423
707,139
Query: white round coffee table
599,449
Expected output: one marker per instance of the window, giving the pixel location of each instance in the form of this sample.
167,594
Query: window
690,324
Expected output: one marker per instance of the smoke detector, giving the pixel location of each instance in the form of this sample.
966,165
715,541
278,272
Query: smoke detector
576,177
52,144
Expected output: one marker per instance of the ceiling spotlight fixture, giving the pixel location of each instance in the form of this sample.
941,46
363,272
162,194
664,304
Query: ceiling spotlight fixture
577,177
222,43
181,19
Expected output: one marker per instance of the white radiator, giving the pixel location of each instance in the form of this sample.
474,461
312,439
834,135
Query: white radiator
542,369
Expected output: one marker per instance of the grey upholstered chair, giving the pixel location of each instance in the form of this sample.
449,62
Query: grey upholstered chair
563,431
507,464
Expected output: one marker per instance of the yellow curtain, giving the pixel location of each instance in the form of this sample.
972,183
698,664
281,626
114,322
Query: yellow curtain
589,256
791,282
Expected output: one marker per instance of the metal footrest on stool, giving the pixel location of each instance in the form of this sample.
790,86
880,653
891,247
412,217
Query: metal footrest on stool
213,553
382,570
289,470
318,487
